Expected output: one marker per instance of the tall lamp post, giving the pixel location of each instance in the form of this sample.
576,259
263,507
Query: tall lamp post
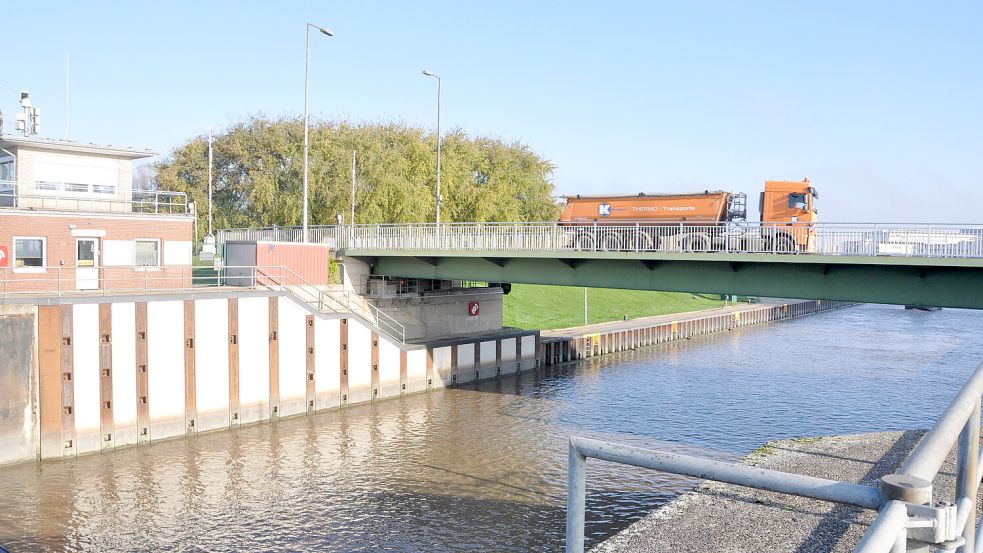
429,73
307,62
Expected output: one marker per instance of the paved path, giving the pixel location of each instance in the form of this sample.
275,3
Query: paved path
724,518
646,322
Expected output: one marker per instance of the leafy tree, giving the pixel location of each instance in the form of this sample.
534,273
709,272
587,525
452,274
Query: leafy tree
258,175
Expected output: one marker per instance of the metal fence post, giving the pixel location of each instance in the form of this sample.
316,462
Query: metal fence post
967,480
576,499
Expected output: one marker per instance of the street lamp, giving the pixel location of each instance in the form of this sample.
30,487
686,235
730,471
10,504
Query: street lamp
307,61
429,73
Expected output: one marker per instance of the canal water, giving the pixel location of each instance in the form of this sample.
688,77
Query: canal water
483,467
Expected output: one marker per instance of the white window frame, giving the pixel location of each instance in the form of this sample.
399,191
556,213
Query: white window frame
44,255
160,254
13,163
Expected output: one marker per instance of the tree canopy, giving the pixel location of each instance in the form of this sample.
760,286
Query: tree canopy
258,175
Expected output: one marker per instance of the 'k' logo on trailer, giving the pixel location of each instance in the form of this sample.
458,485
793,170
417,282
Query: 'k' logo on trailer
604,210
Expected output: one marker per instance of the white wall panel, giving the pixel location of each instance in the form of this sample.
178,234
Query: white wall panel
465,362
254,359
509,363
488,354
327,362
528,349
177,252
165,368
212,363
416,370
442,374
359,354
85,348
118,253
388,368
59,167
293,357
124,373
388,360
488,366
508,350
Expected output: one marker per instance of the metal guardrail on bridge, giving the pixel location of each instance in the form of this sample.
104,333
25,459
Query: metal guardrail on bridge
932,241
907,519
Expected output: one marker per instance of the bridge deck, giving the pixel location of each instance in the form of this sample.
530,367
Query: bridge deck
929,265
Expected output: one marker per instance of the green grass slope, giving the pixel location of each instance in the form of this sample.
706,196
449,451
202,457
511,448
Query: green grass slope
534,306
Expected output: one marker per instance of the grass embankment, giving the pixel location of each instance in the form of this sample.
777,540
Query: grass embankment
546,307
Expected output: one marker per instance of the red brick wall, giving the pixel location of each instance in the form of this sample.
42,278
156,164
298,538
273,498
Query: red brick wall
61,252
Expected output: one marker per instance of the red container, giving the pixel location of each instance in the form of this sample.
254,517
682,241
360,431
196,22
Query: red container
309,261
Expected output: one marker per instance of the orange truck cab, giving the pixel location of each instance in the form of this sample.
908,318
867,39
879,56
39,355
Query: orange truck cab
788,202
791,204
700,221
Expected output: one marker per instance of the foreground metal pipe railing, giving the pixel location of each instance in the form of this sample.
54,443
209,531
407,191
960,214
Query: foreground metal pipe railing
908,521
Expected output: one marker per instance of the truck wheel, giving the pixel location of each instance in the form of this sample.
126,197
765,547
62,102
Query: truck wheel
696,244
583,242
611,242
785,244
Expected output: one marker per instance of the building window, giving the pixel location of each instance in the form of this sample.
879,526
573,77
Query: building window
7,169
29,253
148,253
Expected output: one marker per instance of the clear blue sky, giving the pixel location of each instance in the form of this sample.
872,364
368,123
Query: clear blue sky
879,104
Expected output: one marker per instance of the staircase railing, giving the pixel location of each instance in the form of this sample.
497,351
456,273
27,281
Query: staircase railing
283,278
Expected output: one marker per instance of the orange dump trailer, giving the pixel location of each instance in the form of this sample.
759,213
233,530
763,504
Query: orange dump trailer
701,221
701,208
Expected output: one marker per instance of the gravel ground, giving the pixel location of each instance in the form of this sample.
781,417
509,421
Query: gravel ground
726,518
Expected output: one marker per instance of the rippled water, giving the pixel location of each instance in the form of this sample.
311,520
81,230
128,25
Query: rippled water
483,467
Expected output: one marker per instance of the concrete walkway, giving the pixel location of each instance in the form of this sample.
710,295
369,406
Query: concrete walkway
645,322
728,519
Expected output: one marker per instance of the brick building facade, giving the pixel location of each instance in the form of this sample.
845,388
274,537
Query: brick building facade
87,230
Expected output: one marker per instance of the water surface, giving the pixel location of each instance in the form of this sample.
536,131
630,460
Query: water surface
483,467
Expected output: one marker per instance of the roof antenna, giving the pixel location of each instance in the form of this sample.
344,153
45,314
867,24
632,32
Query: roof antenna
66,95
28,122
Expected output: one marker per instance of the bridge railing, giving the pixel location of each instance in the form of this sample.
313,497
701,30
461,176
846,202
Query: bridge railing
859,239
821,238
908,519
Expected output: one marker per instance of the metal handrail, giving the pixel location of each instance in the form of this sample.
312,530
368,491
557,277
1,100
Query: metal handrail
321,298
60,281
907,520
41,195
853,239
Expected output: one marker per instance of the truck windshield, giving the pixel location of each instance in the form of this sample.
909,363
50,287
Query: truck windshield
798,200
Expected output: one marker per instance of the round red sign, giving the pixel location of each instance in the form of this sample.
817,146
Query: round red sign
473,309
4,256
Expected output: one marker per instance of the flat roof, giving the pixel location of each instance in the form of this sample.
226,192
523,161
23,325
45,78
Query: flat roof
7,140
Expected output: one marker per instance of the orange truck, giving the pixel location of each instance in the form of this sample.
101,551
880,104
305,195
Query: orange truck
696,222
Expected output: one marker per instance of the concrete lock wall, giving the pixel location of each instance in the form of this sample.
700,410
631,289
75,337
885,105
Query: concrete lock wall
446,313
18,385
556,350
95,374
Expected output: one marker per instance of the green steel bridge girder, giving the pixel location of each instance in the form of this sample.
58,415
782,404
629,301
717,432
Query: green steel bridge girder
940,282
